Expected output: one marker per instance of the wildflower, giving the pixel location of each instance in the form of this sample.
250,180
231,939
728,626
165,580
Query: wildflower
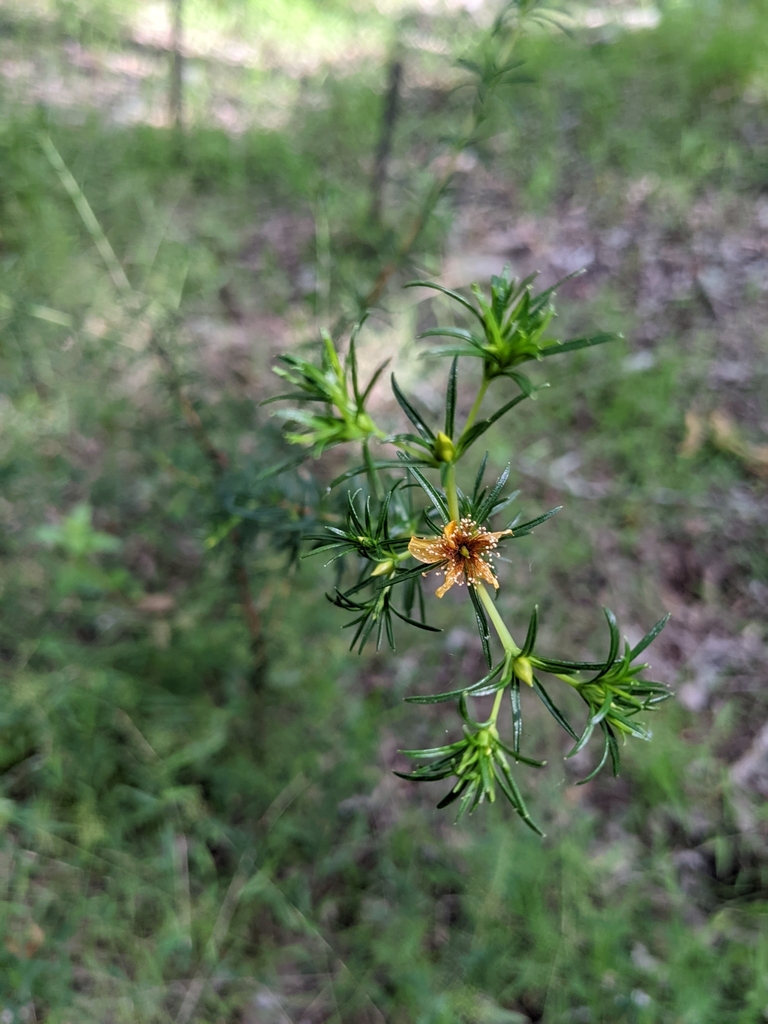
465,547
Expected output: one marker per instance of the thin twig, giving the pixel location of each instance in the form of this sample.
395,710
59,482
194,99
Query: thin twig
405,248
87,215
176,91
216,457
384,148
184,896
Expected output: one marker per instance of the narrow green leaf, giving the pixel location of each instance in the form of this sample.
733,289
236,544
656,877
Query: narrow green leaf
595,771
454,794
448,748
488,775
577,343
525,384
556,665
515,797
476,689
613,748
453,332
372,383
479,480
484,509
301,396
450,399
478,429
417,420
525,528
530,761
403,575
530,637
390,630
446,291
437,499
517,716
414,439
415,622
351,368
556,713
482,625
360,470
605,707
649,637
613,649
452,350
418,777
583,740
540,300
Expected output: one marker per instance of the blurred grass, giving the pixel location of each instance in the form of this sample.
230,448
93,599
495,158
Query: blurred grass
157,792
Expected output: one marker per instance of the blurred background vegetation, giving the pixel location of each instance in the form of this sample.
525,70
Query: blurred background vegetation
199,817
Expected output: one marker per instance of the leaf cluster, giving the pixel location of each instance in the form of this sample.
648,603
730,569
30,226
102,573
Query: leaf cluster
513,322
479,763
336,386
377,535
613,696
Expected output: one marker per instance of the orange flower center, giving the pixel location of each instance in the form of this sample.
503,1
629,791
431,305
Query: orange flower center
465,547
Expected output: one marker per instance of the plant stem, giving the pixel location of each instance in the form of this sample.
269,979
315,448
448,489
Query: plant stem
476,406
568,679
497,704
451,492
505,636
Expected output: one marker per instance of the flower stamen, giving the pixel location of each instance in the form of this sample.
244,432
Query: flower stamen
466,548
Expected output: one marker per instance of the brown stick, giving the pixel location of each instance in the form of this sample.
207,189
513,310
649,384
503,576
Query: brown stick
218,459
176,91
252,616
219,463
404,249
384,148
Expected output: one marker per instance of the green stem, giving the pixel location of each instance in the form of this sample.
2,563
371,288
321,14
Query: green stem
497,705
451,492
570,680
476,407
505,636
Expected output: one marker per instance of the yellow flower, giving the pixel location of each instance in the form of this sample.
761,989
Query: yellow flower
466,547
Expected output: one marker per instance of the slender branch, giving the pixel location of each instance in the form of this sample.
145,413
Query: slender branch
451,492
88,217
218,459
176,91
384,148
497,704
439,186
412,236
476,406
505,636
251,613
219,462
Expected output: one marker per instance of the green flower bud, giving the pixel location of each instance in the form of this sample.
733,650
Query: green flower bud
523,669
385,568
444,449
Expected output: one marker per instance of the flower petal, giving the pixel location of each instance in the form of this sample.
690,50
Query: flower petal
453,574
427,549
482,571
